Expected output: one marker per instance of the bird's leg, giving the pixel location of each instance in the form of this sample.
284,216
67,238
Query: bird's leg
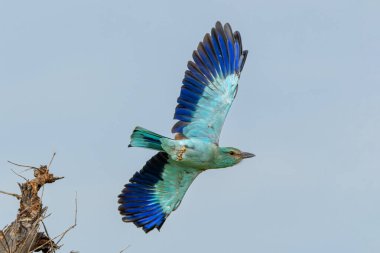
180,153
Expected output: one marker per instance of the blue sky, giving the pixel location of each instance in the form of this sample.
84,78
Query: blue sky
77,76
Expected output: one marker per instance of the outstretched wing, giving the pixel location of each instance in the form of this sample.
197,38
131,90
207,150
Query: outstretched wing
155,191
210,84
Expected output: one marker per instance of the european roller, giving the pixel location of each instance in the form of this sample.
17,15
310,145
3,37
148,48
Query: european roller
208,90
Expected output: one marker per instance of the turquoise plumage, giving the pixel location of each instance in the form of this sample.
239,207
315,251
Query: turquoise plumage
209,88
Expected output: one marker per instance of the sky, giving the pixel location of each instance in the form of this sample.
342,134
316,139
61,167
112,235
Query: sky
77,76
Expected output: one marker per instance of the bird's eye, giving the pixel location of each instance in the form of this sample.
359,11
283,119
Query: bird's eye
231,152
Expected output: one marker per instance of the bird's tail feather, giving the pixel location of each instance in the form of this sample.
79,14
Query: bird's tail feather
144,138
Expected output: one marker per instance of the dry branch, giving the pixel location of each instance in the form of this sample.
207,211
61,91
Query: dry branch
23,235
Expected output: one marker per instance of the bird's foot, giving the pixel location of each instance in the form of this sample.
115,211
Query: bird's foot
180,153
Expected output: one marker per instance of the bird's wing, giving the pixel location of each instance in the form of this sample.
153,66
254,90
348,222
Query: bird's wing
210,84
155,191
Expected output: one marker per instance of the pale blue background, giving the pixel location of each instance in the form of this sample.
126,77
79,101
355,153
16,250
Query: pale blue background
77,76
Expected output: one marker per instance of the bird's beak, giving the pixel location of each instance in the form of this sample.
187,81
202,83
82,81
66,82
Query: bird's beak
247,155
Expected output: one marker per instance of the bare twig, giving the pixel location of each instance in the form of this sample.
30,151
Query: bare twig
21,165
45,229
47,216
11,194
63,234
51,160
125,249
42,192
75,220
51,243
19,175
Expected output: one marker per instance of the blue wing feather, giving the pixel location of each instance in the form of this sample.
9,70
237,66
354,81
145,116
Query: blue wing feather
190,95
205,59
219,56
223,48
201,67
137,205
207,43
236,60
138,187
183,118
156,223
187,104
149,210
144,178
179,126
183,111
230,47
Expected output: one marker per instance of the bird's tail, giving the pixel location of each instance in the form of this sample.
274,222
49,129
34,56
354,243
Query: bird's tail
144,138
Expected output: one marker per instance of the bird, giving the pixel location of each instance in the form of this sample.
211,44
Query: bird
208,89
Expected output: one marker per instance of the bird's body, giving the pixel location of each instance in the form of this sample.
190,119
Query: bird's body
194,153
209,88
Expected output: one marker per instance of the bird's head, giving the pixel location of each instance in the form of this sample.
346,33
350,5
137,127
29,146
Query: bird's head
228,156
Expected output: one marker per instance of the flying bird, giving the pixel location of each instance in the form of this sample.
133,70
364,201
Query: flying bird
209,88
